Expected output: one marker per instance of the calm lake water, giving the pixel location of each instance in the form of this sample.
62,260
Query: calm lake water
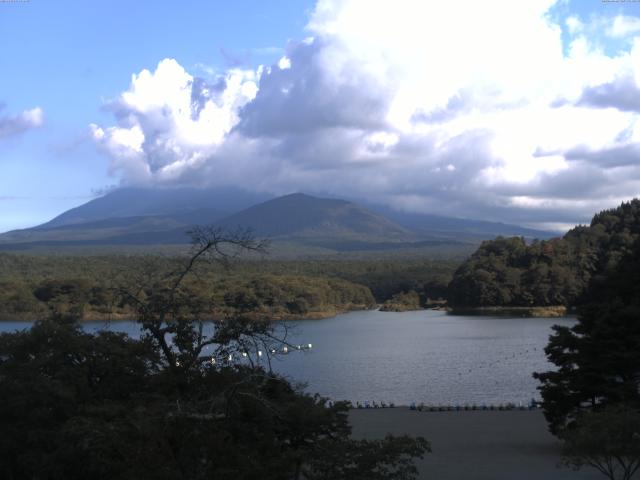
424,356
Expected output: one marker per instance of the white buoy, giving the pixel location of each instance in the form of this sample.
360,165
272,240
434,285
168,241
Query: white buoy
310,346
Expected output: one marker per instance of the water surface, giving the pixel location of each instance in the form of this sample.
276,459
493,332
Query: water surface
424,356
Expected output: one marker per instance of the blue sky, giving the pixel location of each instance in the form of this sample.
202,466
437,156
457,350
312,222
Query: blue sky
408,103
68,57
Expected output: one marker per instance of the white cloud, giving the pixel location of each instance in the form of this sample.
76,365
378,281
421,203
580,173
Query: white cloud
284,63
169,121
574,24
12,126
624,25
467,108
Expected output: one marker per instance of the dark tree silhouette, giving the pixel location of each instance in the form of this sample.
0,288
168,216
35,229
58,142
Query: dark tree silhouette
191,399
607,440
598,359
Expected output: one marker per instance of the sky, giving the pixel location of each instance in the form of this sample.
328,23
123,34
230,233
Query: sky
523,112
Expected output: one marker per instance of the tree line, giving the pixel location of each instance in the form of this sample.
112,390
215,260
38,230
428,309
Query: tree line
591,399
32,286
512,272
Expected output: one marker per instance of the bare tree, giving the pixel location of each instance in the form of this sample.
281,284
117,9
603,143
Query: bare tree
179,322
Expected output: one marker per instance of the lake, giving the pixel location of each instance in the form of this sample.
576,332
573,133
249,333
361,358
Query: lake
423,356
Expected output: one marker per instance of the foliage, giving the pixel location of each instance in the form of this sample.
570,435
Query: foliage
508,272
598,359
402,302
32,286
607,440
191,399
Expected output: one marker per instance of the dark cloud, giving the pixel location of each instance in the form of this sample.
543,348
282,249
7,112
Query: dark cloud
305,97
612,157
622,93
456,105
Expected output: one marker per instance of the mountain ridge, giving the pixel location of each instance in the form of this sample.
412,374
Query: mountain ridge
131,216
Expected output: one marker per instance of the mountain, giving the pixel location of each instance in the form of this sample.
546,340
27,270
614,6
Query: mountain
136,216
295,223
437,225
138,202
306,217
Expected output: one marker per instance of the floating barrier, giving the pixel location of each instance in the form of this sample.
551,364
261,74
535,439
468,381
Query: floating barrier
421,407
285,350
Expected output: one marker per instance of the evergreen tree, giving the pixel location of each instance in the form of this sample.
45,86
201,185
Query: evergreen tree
598,359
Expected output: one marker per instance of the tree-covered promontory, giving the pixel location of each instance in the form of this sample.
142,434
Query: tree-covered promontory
511,273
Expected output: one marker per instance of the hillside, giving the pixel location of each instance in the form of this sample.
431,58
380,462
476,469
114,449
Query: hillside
133,216
510,272
133,202
438,225
303,216
138,219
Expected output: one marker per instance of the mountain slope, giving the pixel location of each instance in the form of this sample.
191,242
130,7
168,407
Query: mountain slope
137,202
147,229
437,225
303,216
296,223
136,216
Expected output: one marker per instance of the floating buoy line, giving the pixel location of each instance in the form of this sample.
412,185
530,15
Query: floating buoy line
285,350
421,407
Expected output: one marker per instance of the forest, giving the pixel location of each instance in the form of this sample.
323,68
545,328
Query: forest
513,273
505,272
33,286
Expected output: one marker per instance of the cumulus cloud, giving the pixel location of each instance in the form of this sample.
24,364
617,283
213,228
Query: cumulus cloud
623,25
14,125
476,109
169,121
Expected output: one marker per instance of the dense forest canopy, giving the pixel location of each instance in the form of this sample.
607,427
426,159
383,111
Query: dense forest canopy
32,286
510,272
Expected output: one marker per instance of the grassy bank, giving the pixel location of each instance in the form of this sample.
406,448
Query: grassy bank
539,312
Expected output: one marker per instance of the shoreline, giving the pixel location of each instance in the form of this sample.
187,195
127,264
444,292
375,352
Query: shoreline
93,316
554,311
525,312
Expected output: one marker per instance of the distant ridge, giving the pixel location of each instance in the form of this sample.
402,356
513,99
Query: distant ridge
298,222
137,202
427,223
